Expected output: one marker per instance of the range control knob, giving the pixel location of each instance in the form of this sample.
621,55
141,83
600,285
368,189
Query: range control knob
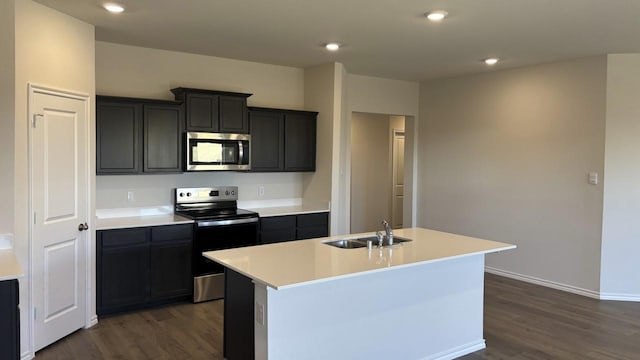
233,192
188,194
181,194
226,192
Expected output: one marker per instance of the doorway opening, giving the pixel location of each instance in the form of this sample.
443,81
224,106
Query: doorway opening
377,171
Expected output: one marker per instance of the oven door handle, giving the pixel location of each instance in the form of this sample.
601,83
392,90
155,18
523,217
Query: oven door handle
226,222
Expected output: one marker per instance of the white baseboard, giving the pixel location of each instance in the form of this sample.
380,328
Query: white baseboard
458,351
543,282
620,297
93,321
27,355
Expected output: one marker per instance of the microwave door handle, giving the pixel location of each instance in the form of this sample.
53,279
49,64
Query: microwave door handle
240,152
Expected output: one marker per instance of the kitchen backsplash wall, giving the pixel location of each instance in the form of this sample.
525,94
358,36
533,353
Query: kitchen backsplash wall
157,190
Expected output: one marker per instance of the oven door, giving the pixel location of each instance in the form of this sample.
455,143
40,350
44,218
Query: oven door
210,151
208,282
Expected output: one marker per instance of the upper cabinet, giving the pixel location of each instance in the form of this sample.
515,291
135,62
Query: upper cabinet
214,111
282,140
138,136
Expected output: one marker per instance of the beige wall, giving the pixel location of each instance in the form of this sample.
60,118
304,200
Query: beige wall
505,156
370,171
7,113
383,96
621,230
373,95
320,95
56,50
150,73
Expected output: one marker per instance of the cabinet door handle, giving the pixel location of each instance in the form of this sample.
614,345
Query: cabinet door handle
83,227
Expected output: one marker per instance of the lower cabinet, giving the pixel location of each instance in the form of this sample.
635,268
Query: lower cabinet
141,267
293,227
238,336
10,320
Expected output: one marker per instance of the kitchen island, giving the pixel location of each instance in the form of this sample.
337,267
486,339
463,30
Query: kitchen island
421,299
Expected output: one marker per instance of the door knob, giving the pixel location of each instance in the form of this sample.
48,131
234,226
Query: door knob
83,227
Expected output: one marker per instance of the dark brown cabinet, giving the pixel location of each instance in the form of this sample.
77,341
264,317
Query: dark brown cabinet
300,142
293,227
162,128
238,317
214,111
118,136
136,136
282,140
141,267
277,229
10,323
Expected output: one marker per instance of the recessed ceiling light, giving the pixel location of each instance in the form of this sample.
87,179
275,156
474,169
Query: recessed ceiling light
332,46
491,61
436,15
114,8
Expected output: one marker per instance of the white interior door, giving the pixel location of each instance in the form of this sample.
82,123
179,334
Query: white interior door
398,179
59,194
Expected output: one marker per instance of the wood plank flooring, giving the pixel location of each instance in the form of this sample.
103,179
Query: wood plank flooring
522,321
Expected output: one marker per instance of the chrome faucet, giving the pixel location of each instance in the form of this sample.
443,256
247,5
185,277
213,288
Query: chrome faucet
380,239
387,229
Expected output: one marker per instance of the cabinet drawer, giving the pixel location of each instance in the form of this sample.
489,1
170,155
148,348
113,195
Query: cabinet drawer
123,237
275,236
277,222
307,220
171,233
312,232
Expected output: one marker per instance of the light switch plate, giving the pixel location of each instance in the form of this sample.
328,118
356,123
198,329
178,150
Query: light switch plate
593,178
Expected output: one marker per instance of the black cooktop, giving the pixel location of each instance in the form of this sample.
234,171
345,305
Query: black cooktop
216,214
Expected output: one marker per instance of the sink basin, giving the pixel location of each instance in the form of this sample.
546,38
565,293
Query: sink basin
362,242
347,244
396,240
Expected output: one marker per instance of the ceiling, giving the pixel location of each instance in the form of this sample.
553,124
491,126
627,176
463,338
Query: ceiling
383,38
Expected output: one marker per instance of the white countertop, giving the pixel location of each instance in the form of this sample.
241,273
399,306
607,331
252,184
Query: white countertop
9,267
140,221
290,210
296,263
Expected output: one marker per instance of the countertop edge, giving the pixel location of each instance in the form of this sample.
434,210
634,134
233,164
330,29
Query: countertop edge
140,221
358,273
265,213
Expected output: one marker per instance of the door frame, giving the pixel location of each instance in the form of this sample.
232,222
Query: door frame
393,153
90,319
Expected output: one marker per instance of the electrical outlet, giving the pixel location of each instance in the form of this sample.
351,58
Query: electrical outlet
130,196
260,190
259,313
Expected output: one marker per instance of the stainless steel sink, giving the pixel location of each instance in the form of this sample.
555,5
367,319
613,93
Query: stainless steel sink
347,244
385,241
362,242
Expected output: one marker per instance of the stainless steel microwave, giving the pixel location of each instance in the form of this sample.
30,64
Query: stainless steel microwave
214,151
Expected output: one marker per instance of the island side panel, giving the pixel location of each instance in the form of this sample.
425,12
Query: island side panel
238,316
425,311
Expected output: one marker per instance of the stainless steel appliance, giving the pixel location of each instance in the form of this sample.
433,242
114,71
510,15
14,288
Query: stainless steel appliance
219,224
213,151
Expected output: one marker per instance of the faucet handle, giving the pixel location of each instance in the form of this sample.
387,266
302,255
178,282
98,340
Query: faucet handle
380,238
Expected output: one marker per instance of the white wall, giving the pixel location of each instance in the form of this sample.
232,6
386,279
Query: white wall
370,171
51,49
620,277
505,156
150,73
7,112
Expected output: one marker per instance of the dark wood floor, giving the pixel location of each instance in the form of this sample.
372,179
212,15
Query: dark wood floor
522,321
